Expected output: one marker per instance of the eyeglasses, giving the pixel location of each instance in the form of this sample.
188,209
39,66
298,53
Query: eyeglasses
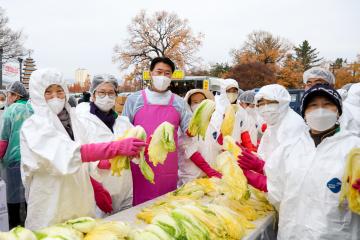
103,94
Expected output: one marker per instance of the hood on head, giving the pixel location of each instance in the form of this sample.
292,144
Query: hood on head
40,80
230,83
274,92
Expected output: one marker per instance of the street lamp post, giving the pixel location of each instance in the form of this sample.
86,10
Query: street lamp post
20,63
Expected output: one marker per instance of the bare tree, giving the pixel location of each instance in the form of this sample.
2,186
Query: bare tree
10,41
162,34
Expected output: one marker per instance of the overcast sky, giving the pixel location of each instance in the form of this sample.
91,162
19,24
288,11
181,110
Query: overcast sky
71,34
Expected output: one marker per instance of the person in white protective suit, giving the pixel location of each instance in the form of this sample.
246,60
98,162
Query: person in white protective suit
229,94
251,124
352,104
103,124
283,124
304,181
57,185
188,170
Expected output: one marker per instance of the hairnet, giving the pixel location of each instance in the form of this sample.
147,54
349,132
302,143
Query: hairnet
18,88
103,78
247,97
274,92
318,72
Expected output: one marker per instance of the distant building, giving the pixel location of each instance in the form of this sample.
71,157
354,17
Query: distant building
29,67
82,76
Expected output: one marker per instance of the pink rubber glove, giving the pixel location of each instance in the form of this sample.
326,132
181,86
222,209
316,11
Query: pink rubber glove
104,164
256,180
199,161
246,142
3,147
357,185
102,196
248,161
125,147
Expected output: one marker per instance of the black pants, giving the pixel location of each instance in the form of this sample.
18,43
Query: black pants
17,214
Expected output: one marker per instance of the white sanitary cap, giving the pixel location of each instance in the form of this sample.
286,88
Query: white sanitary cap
318,72
230,83
274,92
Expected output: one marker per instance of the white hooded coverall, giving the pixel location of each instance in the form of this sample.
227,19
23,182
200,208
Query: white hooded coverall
57,184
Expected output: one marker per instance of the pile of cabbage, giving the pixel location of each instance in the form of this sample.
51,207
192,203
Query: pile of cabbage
84,228
207,208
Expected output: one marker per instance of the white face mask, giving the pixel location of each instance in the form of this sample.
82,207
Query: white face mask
232,97
56,105
194,107
161,83
321,119
270,113
2,104
105,104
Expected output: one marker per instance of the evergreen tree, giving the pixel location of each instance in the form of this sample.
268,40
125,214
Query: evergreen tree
219,69
307,56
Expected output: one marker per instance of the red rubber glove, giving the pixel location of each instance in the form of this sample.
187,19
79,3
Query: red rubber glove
248,161
126,147
104,164
357,185
256,180
3,147
199,161
220,139
246,141
263,127
102,196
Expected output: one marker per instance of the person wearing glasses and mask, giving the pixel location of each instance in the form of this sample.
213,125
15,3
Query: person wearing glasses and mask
304,181
149,108
104,124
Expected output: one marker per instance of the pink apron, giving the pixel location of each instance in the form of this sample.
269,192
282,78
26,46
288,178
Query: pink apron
150,117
